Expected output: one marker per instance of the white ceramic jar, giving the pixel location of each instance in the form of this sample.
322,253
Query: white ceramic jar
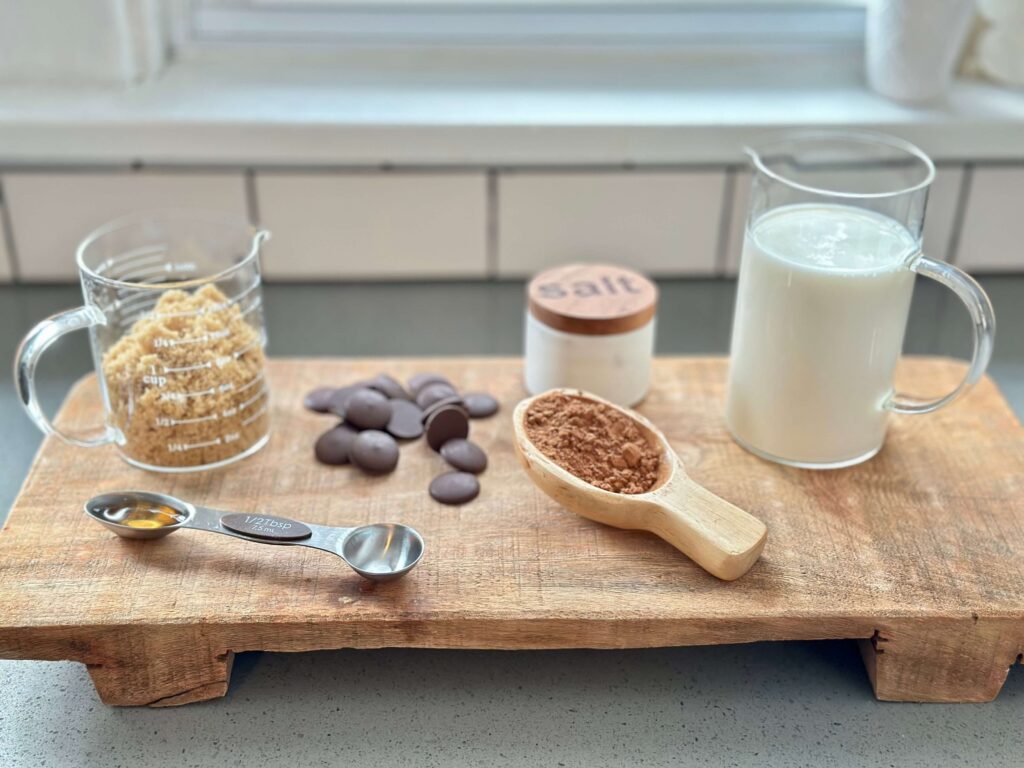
912,46
591,327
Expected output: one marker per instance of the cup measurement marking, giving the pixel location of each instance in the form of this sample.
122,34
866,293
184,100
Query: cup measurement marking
161,271
142,304
251,382
134,297
148,277
227,413
243,405
164,421
220,362
158,376
213,309
182,447
184,368
199,312
164,342
255,415
214,390
135,258
260,342
225,439
180,397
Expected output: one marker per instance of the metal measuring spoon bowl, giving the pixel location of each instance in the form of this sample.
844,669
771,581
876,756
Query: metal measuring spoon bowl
140,514
383,551
378,552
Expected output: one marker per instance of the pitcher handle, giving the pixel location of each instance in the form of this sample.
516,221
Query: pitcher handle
983,321
32,347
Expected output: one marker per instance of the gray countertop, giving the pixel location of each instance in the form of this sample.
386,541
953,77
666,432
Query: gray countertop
764,704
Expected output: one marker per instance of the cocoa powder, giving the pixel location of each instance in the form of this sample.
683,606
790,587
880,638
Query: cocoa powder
594,442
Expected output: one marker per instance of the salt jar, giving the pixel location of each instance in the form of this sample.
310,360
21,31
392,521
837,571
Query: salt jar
591,327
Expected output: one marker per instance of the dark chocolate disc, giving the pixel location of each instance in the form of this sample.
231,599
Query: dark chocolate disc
480,405
454,487
432,393
420,380
333,446
319,399
375,452
341,396
464,455
389,386
444,401
368,409
406,420
446,424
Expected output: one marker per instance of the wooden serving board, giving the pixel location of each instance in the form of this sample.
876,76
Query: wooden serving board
919,553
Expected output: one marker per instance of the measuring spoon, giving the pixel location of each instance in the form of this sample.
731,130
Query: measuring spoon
720,537
378,552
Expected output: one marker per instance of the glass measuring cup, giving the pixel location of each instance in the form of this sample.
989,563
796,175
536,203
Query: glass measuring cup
832,248
174,309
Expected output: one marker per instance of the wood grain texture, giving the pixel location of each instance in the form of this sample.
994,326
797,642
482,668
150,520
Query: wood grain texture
921,549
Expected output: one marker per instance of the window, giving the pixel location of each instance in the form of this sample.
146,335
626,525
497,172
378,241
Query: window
622,23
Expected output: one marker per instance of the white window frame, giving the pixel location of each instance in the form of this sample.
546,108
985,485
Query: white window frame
734,24
679,98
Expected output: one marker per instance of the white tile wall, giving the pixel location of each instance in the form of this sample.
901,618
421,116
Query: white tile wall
733,246
940,216
659,222
6,266
52,212
364,225
990,240
421,224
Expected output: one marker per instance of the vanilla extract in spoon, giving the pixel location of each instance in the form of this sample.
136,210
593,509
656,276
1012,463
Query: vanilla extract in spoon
141,514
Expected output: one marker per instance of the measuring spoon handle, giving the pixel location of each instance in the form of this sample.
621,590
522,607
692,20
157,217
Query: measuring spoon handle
720,537
266,529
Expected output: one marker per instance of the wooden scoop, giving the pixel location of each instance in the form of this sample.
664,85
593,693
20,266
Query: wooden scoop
720,537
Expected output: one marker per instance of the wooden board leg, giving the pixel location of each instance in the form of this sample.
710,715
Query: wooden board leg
942,661
155,683
164,670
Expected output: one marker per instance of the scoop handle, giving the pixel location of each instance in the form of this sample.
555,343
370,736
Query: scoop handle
720,537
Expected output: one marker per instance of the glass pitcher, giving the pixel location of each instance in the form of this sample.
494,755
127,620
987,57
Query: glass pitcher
173,306
831,250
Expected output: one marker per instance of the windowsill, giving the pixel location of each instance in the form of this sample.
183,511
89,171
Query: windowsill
565,108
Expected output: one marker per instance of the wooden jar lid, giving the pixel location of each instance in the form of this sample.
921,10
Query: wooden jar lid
592,299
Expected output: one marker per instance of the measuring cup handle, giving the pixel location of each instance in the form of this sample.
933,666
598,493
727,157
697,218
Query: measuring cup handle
983,320
35,343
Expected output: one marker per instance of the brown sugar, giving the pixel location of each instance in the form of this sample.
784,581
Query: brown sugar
593,441
186,382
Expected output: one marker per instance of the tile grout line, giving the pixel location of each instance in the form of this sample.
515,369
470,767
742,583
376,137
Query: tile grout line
491,224
356,169
252,203
8,226
138,166
959,214
725,214
950,256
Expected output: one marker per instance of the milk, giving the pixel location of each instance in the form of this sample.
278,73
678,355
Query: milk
822,305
